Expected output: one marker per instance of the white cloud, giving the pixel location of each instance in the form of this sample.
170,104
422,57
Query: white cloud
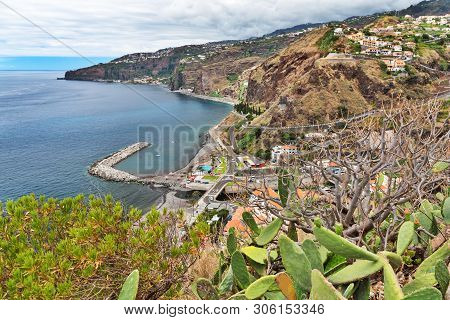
117,27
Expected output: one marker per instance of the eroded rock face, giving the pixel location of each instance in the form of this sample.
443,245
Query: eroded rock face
312,87
204,69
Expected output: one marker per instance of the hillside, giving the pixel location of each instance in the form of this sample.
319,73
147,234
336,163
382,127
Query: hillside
424,8
204,69
427,8
303,84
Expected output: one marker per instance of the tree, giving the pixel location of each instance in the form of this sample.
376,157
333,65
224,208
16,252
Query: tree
379,168
84,249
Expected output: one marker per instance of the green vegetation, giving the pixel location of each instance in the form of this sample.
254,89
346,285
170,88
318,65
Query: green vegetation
222,167
210,178
232,77
215,94
326,268
242,90
287,137
249,137
325,44
356,47
79,248
264,154
248,109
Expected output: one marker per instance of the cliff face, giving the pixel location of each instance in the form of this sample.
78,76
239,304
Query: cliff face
160,64
300,86
219,73
303,84
213,68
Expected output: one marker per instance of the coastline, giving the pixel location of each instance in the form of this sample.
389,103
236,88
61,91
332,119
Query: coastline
104,168
226,100
172,181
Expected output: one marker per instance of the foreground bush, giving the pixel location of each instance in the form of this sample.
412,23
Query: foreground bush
326,266
84,249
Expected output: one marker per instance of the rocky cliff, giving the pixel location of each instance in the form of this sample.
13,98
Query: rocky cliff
212,68
305,84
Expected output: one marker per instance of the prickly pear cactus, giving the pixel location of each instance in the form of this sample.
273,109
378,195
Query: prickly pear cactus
321,289
204,289
130,286
296,263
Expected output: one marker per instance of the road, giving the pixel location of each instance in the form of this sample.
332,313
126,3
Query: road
354,118
209,198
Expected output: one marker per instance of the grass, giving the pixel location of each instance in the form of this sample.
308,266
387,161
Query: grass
222,167
327,41
211,178
215,94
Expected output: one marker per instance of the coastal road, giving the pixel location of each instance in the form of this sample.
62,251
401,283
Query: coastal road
354,118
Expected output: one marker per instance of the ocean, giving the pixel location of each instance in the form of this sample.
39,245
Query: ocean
52,130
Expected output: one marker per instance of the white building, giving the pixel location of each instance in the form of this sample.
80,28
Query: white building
283,151
338,31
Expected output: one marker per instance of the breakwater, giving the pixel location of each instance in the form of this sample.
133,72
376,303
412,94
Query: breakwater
105,168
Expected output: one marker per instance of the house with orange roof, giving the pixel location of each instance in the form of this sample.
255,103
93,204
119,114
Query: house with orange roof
237,222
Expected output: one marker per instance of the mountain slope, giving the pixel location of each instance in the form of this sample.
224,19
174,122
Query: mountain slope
300,85
304,84
201,68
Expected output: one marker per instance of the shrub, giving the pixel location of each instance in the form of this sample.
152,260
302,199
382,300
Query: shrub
84,249
326,42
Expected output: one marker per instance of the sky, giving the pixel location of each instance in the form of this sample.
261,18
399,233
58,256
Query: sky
112,28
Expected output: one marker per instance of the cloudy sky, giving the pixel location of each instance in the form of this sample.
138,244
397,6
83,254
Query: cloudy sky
112,28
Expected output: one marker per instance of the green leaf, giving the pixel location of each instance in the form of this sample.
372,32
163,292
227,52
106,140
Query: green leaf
321,289
392,290
259,268
324,252
427,280
427,266
405,236
130,286
269,233
274,295
362,292
250,222
292,232
240,271
283,189
425,294
296,263
349,290
426,207
334,263
446,211
394,259
439,166
259,287
427,221
238,296
204,289
258,255
231,242
442,276
313,254
341,246
360,269
227,283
